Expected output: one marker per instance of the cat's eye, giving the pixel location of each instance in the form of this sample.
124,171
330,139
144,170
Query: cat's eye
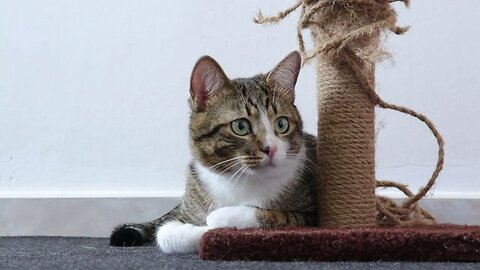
241,126
281,125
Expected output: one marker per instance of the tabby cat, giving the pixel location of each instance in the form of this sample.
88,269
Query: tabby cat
252,167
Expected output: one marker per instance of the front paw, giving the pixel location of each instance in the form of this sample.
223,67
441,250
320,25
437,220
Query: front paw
177,237
233,216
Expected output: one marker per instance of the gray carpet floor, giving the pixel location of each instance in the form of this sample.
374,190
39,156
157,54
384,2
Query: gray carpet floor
95,253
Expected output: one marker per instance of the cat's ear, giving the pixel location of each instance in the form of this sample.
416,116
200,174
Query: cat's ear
207,77
285,74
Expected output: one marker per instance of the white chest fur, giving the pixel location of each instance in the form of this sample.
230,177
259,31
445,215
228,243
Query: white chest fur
253,187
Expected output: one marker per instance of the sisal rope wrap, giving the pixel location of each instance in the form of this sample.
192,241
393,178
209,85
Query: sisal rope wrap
346,36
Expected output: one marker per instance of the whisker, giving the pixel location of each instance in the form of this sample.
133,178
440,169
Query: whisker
236,172
242,172
244,181
222,162
231,166
305,158
311,162
236,179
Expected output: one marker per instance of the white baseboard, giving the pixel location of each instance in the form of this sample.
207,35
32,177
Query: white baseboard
77,216
91,216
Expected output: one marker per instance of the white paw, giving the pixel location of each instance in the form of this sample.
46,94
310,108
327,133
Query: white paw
178,237
233,216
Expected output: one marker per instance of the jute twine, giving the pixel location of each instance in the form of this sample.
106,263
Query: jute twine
346,35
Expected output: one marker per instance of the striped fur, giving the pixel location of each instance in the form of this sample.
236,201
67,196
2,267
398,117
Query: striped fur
231,181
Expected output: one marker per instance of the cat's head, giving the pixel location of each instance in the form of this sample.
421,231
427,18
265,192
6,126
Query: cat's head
245,123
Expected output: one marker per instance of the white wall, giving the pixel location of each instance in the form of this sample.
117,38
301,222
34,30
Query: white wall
93,94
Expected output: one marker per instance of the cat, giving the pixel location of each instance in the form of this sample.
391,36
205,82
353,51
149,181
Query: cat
252,167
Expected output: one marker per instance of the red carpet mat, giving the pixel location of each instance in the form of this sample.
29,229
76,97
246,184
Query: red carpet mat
430,243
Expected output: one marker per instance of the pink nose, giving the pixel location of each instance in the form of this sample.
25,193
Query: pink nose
270,151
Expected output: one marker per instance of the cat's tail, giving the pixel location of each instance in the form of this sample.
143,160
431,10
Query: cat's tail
131,234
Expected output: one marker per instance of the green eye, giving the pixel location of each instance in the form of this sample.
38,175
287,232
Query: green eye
281,125
241,126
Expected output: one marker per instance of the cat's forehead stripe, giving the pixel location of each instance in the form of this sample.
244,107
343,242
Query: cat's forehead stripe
256,93
274,107
249,112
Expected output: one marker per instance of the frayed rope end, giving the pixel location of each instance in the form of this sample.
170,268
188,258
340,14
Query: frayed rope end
259,18
399,30
406,2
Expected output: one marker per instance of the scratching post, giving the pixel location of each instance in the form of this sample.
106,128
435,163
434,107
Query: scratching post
347,152
346,124
355,223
